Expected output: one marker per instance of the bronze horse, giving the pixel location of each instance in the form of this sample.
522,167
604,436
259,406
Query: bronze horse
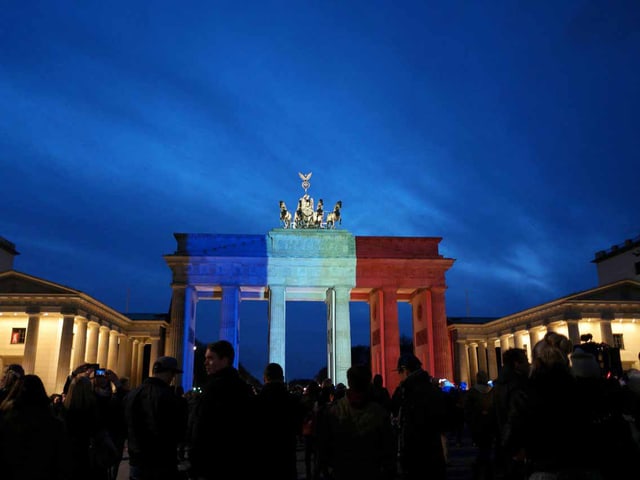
334,217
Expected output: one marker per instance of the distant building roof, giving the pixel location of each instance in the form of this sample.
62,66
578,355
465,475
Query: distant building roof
8,246
625,246
471,320
147,316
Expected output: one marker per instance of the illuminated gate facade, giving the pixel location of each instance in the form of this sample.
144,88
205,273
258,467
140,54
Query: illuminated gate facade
331,266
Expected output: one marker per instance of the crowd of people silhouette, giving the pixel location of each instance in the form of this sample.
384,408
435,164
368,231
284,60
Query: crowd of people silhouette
556,417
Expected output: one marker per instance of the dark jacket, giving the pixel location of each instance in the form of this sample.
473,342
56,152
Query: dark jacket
34,444
156,420
221,438
422,418
279,416
356,439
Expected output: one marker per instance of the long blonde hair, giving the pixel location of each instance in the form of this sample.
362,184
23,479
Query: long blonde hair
80,395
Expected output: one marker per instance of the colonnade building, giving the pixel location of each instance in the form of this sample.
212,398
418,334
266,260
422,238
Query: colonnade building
610,312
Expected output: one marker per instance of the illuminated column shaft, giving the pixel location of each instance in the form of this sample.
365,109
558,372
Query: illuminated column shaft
31,343
229,322
112,357
343,334
79,343
277,326
64,352
103,346
92,343
189,340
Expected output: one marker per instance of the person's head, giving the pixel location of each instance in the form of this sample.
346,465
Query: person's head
219,355
516,360
552,352
377,380
166,368
407,364
482,377
359,378
80,395
273,373
28,392
11,374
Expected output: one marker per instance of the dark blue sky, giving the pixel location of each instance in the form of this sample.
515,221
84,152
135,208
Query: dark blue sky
509,129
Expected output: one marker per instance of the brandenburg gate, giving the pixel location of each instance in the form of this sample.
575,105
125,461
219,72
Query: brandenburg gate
311,259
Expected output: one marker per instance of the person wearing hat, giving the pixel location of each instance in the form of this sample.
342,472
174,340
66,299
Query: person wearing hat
156,424
420,410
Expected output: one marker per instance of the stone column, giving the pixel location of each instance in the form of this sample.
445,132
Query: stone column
343,334
440,339
64,352
229,324
135,377
375,332
463,362
277,326
92,342
189,339
112,357
331,334
504,344
574,331
155,345
493,362
390,336
174,340
79,342
103,346
473,362
606,332
422,322
124,356
140,361
31,343
482,357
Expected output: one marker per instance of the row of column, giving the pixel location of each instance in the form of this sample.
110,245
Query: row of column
430,334
181,337
429,327
473,356
87,341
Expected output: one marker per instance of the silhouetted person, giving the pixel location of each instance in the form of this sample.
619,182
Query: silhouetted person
480,416
83,422
421,415
11,374
379,392
355,436
543,417
221,436
156,421
279,417
513,378
34,443
310,396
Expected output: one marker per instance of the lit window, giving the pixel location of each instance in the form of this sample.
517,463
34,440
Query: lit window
17,335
